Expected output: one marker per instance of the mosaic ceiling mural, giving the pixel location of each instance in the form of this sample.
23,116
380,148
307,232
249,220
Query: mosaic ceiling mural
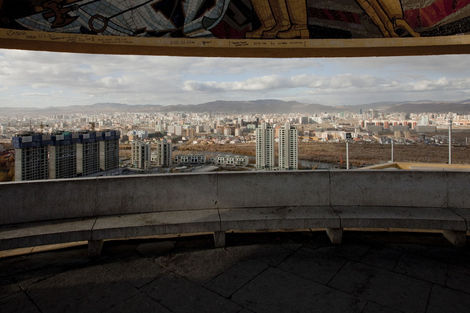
251,19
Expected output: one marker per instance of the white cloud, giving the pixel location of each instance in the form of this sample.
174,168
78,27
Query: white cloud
263,83
85,79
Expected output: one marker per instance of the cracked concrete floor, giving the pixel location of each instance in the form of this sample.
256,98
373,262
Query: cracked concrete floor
280,272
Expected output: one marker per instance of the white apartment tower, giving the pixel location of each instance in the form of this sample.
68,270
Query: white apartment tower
288,148
162,155
264,147
141,155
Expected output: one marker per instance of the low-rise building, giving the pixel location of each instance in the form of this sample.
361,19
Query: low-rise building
190,159
231,160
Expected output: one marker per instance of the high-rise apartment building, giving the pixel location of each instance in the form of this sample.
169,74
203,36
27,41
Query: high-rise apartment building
88,157
264,147
162,155
140,154
109,149
31,156
65,154
288,148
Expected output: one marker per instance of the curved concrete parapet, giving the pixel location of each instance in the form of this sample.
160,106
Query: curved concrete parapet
56,211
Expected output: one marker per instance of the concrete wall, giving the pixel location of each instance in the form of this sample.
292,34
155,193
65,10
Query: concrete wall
86,197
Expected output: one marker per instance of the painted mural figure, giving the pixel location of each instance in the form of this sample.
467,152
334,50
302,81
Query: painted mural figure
252,19
388,16
285,19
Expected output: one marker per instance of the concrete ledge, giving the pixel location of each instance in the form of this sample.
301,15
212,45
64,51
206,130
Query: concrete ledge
390,188
45,233
280,218
153,224
400,217
273,189
465,214
35,201
219,221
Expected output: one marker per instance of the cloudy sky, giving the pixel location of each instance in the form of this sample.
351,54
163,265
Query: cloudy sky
54,79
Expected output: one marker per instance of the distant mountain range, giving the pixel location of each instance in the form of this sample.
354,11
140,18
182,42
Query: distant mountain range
255,106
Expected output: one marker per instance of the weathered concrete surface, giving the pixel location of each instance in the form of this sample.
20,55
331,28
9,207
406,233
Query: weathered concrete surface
146,205
465,214
34,201
161,223
278,218
285,273
155,193
104,196
400,217
44,233
392,290
273,189
458,190
390,188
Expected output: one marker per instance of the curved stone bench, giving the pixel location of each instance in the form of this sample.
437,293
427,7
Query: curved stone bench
220,221
96,209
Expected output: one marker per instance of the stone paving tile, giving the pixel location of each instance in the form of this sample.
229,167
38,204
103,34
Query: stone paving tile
137,272
448,301
8,287
319,265
90,289
422,268
383,287
278,291
153,249
235,277
199,266
367,281
195,265
269,254
448,254
52,261
138,303
181,296
349,251
382,256
29,269
445,254
376,308
458,277
17,303
112,249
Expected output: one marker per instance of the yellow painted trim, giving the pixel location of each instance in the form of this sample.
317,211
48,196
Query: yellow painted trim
60,42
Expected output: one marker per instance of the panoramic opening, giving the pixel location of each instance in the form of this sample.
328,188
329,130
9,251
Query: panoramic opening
193,156
77,115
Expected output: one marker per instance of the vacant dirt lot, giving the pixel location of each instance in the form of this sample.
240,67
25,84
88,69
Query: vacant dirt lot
360,154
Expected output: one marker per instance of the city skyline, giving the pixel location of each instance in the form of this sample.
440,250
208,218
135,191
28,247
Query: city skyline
39,79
